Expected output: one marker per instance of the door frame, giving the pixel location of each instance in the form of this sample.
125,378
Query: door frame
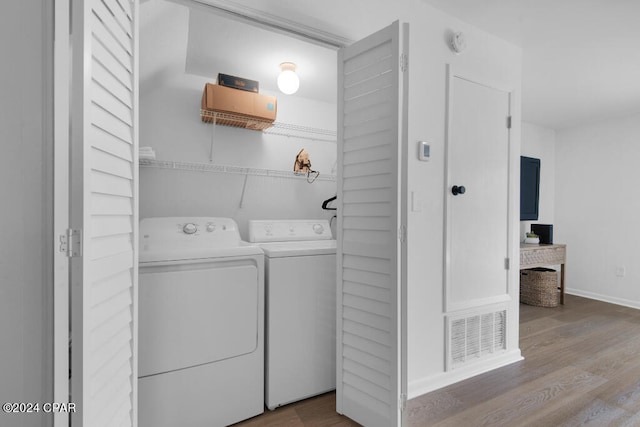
61,161
271,22
61,280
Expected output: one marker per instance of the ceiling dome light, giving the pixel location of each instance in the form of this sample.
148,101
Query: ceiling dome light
288,80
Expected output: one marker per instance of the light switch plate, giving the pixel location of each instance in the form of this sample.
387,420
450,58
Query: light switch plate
416,201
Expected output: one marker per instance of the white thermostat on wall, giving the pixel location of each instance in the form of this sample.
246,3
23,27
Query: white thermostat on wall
423,150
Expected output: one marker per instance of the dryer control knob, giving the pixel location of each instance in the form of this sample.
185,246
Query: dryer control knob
189,228
318,228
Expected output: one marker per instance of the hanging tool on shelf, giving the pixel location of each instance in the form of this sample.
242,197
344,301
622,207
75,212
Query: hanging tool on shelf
303,164
325,204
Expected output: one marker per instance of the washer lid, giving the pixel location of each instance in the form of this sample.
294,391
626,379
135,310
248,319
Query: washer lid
304,248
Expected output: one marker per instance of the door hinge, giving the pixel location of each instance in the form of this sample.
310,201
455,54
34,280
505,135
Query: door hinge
508,122
506,264
71,243
402,233
404,62
402,402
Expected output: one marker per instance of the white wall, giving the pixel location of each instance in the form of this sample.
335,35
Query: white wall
170,123
597,208
539,142
488,58
25,170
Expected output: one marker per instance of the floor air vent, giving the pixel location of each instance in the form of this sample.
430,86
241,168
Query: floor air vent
475,337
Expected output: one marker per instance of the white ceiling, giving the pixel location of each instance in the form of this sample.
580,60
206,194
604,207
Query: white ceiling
194,40
581,58
219,44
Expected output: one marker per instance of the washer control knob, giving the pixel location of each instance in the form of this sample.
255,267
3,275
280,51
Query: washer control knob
211,227
318,228
189,228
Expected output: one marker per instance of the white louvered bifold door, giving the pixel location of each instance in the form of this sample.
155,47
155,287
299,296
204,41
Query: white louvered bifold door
104,205
371,81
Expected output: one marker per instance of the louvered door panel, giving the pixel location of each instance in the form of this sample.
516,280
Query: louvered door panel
104,207
368,248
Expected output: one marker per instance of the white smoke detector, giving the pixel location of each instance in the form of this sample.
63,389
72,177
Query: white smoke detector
458,42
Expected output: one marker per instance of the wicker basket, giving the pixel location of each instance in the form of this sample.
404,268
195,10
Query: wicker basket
539,287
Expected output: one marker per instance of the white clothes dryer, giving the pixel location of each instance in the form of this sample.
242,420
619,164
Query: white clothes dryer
300,292
200,323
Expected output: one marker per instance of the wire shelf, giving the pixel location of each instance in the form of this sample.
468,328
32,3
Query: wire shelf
305,132
268,127
235,120
215,168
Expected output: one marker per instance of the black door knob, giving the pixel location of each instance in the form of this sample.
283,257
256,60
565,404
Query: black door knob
458,189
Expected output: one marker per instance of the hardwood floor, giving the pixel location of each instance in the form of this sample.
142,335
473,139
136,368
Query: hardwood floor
581,367
319,411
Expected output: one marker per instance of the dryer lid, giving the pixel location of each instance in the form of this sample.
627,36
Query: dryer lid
183,238
301,248
163,254
289,230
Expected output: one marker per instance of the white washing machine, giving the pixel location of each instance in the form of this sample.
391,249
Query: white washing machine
300,292
200,323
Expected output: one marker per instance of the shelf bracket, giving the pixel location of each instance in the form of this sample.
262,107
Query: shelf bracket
244,187
213,137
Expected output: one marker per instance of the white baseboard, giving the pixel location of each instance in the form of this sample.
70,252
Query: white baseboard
428,384
425,385
603,298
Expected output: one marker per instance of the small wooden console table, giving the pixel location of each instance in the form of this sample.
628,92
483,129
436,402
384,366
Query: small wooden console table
533,255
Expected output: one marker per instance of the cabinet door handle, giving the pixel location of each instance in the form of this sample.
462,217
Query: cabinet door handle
458,189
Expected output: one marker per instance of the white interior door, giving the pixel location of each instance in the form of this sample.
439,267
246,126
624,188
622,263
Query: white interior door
478,219
104,205
371,134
